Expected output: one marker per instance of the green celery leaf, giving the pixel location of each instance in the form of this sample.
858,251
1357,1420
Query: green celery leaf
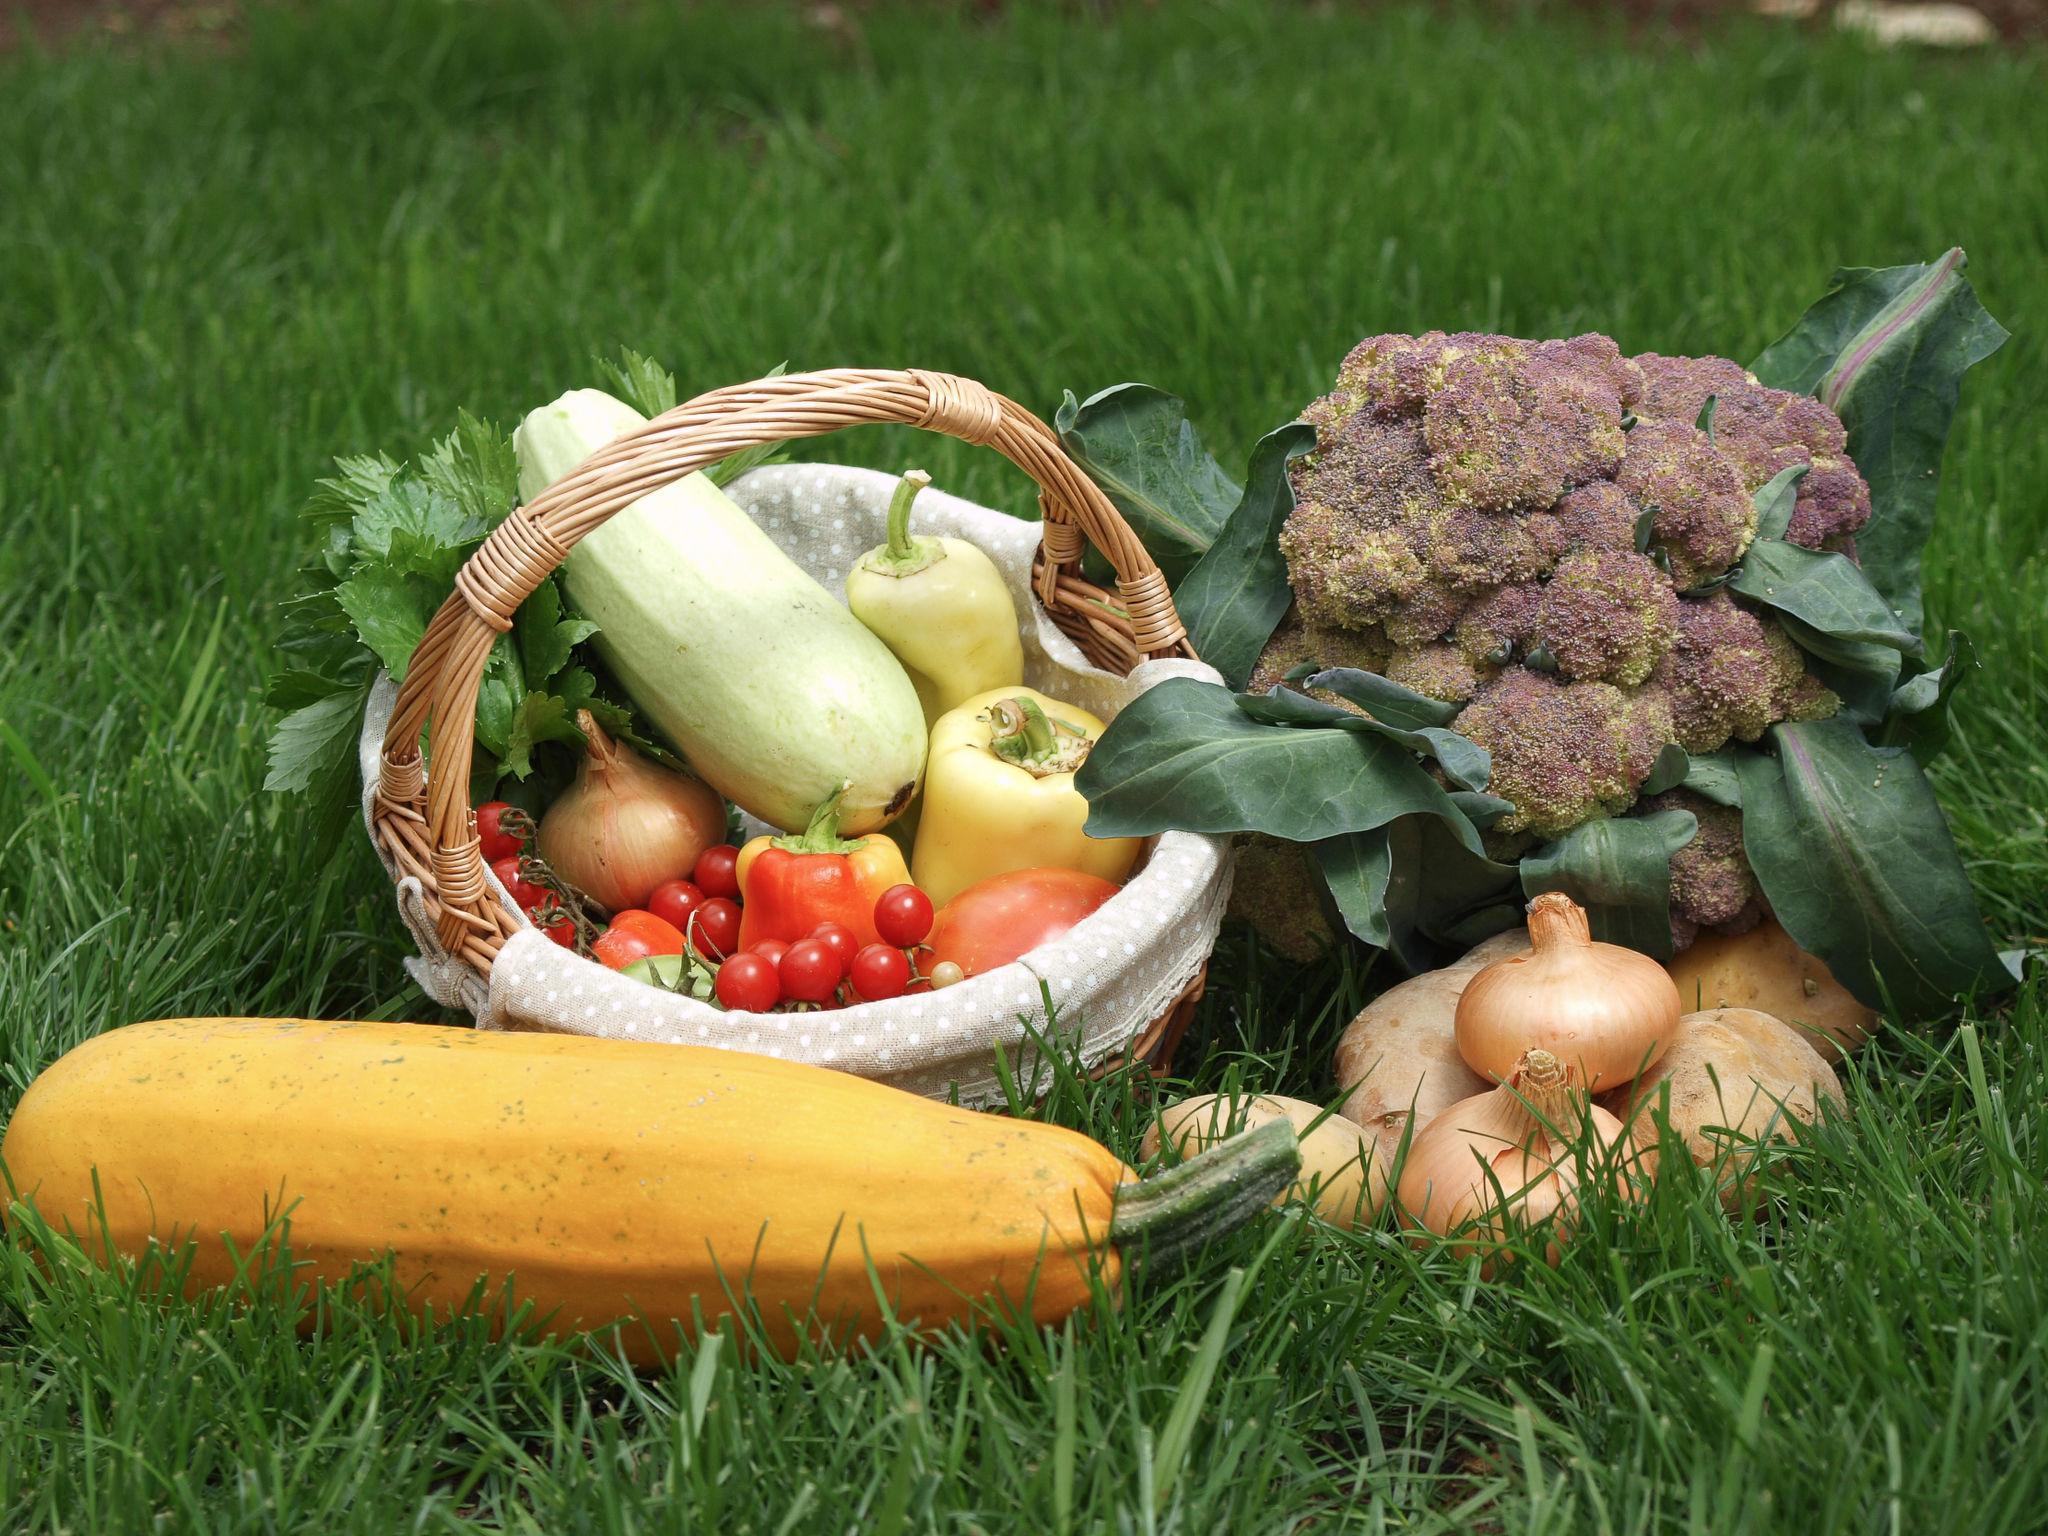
1886,350
1619,870
1136,443
314,737
416,529
1183,755
540,717
545,638
358,479
1383,698
1237,593
1775,501
474,468
1918,719
295,688
1716,777
640,381
1852,852
1824,591
499,697
1465,762
390,612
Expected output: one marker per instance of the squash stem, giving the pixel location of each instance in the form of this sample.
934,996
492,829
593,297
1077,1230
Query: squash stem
1161,1220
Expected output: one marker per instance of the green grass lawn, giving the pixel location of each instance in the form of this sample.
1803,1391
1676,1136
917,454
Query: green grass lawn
221,266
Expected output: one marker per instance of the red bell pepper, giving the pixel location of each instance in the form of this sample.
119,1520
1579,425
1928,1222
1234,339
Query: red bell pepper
789,885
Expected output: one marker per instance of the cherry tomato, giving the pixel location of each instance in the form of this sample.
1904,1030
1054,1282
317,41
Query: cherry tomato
527,894
663,938
880,971
947,973
810,972
673,903
563,933
717,930
1005,916
771,950
717,872
749,983
838,938
497,842
903,916
617,948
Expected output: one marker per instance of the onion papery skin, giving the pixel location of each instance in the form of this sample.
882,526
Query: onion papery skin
1604,1011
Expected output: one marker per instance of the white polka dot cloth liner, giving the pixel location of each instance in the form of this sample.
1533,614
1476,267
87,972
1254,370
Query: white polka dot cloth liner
1109,976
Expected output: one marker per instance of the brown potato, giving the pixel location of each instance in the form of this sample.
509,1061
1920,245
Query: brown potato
1764,969
1398,1060
1342,1175
1736,1077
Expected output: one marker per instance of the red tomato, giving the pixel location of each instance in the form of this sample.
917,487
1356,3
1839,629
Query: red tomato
771,950
717,930
879,972
563,933
717,872
1006,916
749,983
838,938
663,938
810,972
497,842
617,948
903,916
674,902
524,892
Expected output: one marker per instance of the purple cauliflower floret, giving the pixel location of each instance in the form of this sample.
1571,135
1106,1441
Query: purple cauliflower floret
1734,674
1607,616
1275,890
1296,644
1705,516
1440,670
1597,516
1564,752
1764,431
1514,425
1712,885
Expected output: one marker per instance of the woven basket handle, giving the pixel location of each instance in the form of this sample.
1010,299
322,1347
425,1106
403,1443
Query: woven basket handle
431,830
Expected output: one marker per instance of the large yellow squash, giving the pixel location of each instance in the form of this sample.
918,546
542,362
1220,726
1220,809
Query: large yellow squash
608,1180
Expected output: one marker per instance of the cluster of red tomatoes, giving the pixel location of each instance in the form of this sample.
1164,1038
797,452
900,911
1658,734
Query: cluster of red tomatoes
830,968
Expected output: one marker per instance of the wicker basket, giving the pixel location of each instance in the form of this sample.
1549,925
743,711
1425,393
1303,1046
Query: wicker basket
423,824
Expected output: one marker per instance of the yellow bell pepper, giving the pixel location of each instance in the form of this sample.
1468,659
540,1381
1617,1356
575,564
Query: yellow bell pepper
999,795
941,606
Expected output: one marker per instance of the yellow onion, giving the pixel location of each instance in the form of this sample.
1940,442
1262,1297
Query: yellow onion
627,825
1606,1012
1509,1159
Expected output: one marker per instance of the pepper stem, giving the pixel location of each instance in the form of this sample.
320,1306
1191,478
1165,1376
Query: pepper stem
1022,734
913,481
821,833
1161,1220
903,554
